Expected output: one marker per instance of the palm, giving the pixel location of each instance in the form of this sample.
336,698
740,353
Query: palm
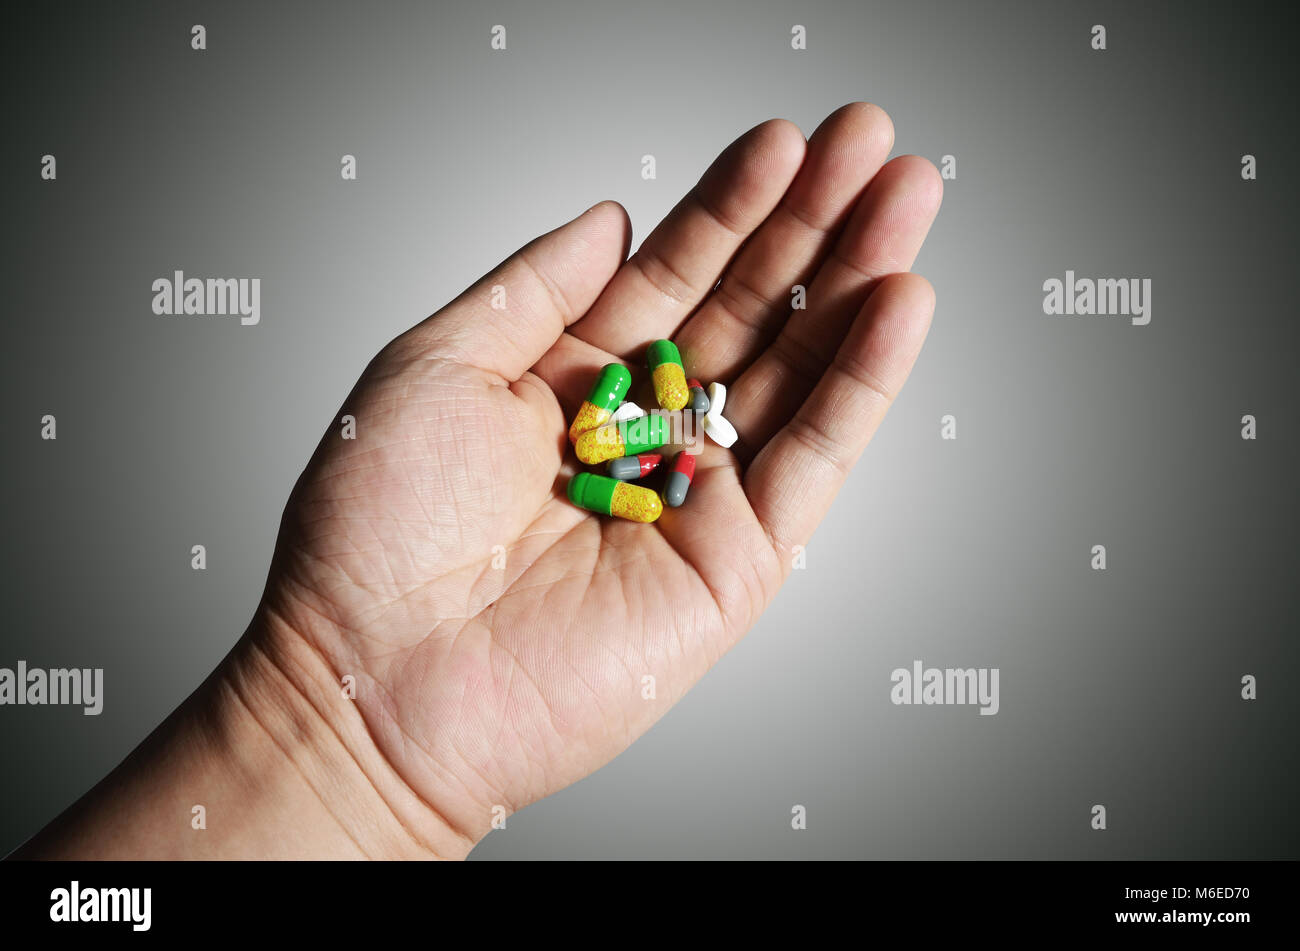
505,643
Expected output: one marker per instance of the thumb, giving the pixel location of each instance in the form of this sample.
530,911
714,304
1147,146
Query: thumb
515,313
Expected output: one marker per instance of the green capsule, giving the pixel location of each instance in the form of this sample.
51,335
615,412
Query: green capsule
606,496
645,433
668,374
661,352
628,438
610,388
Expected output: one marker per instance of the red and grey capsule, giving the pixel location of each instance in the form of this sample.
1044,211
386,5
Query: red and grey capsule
626,468
699,401
679,479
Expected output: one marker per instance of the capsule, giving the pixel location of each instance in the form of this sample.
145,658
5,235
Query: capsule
668,374
629,438
606,496
679,479
699,399
610,388
633,467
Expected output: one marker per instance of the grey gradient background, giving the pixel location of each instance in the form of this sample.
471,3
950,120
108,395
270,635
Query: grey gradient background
1118,687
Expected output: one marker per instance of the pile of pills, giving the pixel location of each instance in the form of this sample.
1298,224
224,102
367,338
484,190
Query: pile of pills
632,444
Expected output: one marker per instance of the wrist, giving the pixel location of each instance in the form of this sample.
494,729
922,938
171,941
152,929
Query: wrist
266,760
279,707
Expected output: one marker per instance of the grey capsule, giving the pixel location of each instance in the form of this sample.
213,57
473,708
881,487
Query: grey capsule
675,488
627,468
679,479
699,400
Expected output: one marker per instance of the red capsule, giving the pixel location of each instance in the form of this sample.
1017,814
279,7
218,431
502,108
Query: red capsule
679,479
699,402
634,467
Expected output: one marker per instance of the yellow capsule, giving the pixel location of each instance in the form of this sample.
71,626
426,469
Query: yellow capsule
598,493
589,417
606,393
597,446
636,503
628,438
671,389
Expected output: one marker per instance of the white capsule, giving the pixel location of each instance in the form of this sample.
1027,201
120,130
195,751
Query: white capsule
719,430
717,397
628,410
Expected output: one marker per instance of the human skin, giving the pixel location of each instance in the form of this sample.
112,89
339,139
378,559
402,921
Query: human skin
480,689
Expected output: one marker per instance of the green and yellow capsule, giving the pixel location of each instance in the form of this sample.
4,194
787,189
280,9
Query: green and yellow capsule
610,388
631,437
668,374
606,496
